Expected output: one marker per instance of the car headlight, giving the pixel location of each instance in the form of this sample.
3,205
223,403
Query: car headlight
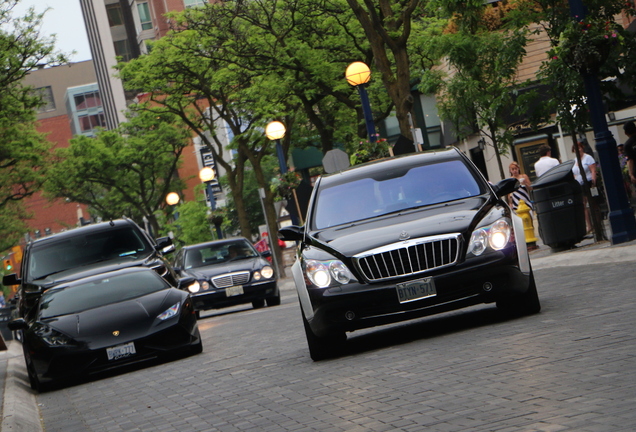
321,273
267,272
169,313
53,337
194,287
205,286
496,235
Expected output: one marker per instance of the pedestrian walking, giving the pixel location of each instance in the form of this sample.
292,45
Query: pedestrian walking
589,168
525,188
630,150
546,161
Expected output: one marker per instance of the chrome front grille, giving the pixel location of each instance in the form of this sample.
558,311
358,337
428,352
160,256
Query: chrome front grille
231,279
409,257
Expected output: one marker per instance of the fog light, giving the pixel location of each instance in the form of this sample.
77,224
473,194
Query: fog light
487,287
350,315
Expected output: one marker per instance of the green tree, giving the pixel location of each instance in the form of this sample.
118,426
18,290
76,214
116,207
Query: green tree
389,26
478,94
23,151
127,171
192,225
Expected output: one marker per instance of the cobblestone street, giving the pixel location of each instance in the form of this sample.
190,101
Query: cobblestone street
571,367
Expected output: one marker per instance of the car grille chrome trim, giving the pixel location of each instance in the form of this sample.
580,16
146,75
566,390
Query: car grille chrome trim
230,279
409,257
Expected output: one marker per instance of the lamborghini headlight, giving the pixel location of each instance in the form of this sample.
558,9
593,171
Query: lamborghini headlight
169,313
53,337
496,235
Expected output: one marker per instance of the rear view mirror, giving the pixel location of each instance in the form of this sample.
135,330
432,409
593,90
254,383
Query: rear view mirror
506,186
165,245
11,279
291,233
17,324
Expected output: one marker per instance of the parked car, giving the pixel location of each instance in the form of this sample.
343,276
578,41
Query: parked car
406,237
104,322
228,273
86,251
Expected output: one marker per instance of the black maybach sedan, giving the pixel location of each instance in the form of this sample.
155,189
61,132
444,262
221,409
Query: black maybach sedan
407,237
104,322
228,273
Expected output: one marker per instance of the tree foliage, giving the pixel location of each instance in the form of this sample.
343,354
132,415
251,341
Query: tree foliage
477,95
127,171
23,151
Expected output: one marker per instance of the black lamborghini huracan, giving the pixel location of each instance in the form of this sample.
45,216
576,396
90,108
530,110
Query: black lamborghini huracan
104,322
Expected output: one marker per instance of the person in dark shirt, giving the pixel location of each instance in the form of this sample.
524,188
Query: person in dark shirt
630,149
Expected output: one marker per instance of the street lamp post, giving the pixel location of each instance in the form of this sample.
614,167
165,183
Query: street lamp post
358,75
621,216
275,131
207,175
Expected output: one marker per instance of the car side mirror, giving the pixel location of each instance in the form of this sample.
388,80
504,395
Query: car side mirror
506,186
265,254
11,279
165,245
185,282
291,233
17,324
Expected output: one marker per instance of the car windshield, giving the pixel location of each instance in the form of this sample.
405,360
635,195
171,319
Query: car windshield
419,186
99,292
85,249
218,253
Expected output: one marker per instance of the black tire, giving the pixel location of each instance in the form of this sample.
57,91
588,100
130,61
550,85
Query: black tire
321,348
524,304
34,381
273,301
257,304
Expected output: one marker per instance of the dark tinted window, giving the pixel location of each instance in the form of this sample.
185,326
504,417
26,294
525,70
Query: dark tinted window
419,186
100,292
123,243
218,253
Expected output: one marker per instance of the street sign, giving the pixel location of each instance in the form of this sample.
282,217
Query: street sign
335,160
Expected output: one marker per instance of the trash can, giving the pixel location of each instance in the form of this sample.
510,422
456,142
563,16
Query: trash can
558,201
6,316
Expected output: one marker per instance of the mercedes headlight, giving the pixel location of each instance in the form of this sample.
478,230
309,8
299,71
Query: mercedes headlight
496,235
322,273
194,287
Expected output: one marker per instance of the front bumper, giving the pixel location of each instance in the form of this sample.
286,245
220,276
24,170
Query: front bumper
56,363
218,298
356,306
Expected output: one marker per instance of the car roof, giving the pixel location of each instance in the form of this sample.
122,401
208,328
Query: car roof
386,165
102,226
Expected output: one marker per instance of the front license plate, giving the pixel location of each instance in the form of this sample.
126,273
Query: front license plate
121,351
234,291
416,290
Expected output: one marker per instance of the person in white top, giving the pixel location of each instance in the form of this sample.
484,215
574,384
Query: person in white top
546,161
589,168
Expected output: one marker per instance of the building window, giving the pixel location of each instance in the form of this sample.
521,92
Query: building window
144,16
122,49
194,3
90,122
115,17
87,100
48,103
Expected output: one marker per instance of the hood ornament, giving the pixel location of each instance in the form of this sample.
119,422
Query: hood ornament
116,333
404,236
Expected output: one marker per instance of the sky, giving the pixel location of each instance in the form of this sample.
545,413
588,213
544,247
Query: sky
64,19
